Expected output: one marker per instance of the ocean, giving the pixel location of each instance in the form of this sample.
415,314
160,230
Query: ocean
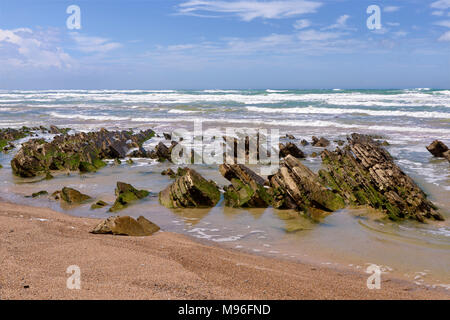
408,119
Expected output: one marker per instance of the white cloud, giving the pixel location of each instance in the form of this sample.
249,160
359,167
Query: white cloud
248,10
393,24
24,47
314,35
438,13
441,4
445,37
391,8
90,44
443,23
341,22
302,24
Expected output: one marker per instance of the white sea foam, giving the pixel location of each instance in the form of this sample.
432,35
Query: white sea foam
315,110
179,111
405,99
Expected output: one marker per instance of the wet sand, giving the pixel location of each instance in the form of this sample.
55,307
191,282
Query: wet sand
38,244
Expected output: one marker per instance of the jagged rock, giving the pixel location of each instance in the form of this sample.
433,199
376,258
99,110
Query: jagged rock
73,196
190,190
130,161
290,136
117,162
126,194
322,142
304,142
291,149
98,205
81,151
364,173
126,226
446,155
314,154
7,135
437,148
56,130
340,142
162,152
169,172
297,187
167,136
247,189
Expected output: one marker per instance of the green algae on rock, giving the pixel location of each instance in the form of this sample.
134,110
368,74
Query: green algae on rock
247,189
71,196
295,186
81,151
364,173
126,226
127,194
98,205
190,190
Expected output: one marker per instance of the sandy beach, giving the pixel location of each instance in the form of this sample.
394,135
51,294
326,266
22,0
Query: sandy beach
38,244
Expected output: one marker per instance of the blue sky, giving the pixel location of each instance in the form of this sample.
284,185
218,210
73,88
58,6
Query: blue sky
193,44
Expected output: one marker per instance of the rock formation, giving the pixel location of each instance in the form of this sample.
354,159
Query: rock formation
296,187
82,151
438,149
190,190
291,149
247,189
364,173
126,226
127,194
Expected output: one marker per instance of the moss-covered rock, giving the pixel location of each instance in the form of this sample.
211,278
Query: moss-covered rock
190,190
126,226
98,205
364,173
297,187
127,194
81,151
247,189
72,196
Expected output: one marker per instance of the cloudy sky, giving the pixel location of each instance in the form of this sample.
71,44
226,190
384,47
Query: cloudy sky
192,44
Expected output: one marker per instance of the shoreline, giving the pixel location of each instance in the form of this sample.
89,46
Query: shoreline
38,244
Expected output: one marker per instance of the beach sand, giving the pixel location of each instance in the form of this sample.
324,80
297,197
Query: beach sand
37,245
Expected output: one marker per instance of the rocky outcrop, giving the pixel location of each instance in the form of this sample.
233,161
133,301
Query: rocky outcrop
437,148
247,189
296,187
127,194
190,190
126,226
290,136
81,151
7,135
364,173
322,142
71,196
291,149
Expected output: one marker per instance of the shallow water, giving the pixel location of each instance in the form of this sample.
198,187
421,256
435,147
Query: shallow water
351,238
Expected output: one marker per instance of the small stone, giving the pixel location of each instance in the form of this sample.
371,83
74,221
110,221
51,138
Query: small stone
98,205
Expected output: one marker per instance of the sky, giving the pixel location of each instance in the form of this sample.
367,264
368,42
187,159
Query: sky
220,44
